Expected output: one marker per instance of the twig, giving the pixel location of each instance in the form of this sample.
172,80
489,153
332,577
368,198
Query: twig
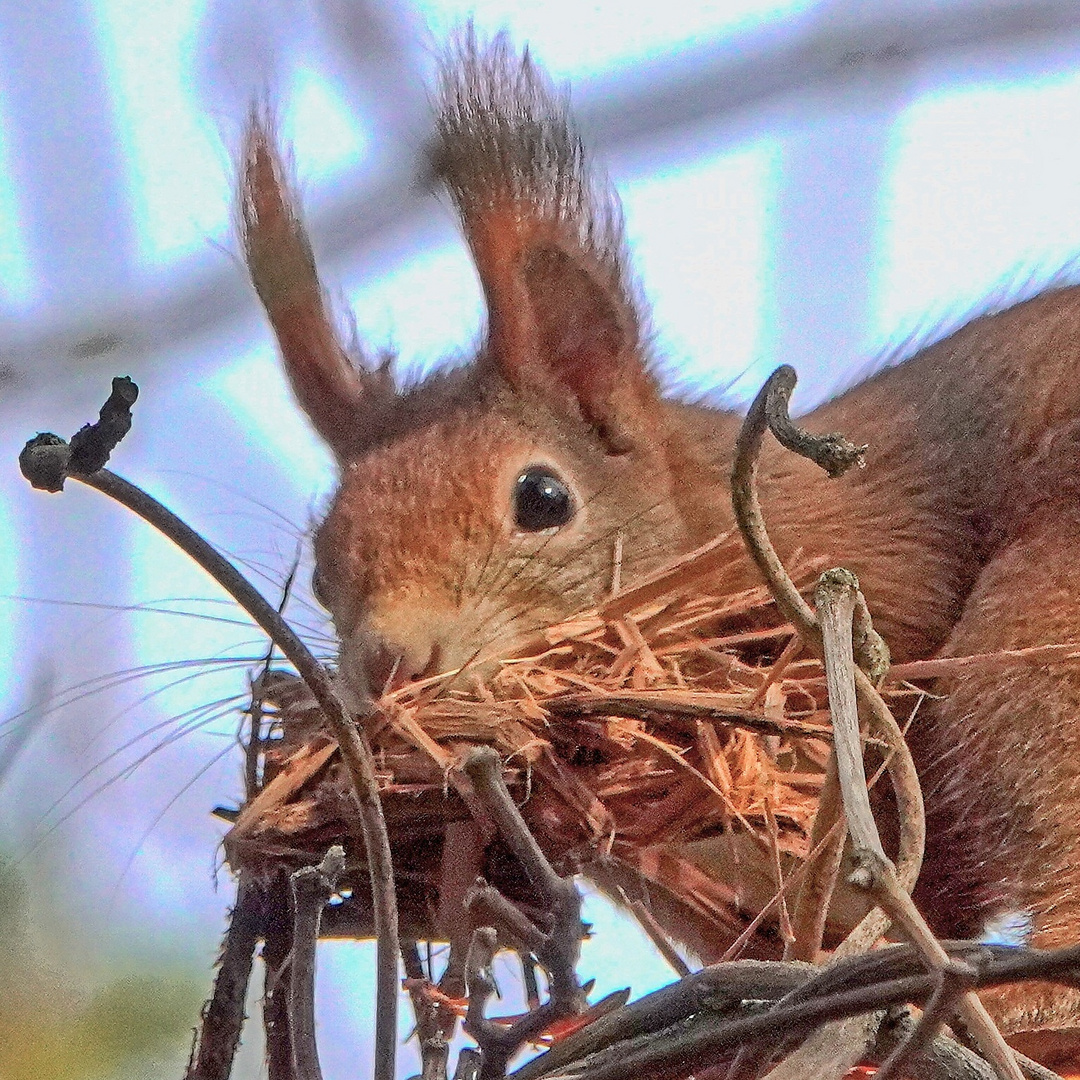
655,932
943,1059
956,978
312,888
434,1047
836,455
714,988
47,460
820,871
788,656
488,907
468,1064
222,1021
833,452
253,748
805,997
529,980
697,1037
223,1015
879,878
431,1025
637,705
835,599
704,1040
999,660
815,894
557,951
836,1048
355,750
496,1048
909,810
277,945
770,409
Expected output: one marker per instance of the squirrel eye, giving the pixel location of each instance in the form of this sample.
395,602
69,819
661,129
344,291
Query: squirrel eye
541,500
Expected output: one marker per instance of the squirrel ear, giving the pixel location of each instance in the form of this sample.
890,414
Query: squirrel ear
581,338
546,237
330,388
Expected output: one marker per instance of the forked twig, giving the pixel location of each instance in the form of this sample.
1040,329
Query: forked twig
770,409
557,951
488,907
849,687
835,598
560,951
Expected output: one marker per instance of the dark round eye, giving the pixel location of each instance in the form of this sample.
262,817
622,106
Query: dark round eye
541,500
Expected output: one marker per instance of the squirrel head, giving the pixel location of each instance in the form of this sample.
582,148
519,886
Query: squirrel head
484,504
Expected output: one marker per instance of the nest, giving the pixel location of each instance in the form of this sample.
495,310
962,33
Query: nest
670,745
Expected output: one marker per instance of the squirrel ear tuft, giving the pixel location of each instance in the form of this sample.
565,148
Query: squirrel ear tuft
330,388
546,237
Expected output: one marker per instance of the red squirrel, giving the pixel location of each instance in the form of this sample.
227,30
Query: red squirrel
484,503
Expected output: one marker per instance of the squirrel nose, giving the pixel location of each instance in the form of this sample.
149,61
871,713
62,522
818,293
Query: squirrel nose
389,666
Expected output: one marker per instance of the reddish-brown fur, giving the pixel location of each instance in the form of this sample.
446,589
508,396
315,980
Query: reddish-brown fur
964,528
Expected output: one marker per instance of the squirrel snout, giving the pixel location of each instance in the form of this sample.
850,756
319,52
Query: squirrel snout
380,666
373,663
390,666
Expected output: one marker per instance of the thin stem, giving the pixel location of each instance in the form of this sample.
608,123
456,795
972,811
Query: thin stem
223,1015
815,894
355,748
955,979
312,887
834,598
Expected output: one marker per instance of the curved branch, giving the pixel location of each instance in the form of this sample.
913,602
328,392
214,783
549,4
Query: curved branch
46,461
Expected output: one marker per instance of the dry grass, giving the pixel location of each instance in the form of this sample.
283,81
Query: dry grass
629,734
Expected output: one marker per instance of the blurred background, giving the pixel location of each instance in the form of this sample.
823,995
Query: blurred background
814,182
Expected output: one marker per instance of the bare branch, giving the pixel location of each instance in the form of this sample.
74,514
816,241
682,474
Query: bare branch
223,1015
559,952
312,888
355,748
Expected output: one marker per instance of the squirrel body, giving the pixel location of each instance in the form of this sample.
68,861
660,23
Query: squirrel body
485,503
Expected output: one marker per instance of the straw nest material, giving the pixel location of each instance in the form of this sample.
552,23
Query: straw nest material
668,724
